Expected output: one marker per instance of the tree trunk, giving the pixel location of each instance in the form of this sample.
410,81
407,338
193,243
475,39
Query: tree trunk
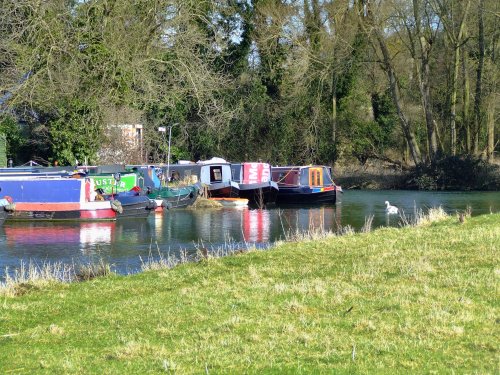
456,39
491,127
391,74
466,103
453,104
366,18
424,84
334,109
425,91
480,67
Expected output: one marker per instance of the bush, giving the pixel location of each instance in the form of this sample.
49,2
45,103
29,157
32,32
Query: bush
456,173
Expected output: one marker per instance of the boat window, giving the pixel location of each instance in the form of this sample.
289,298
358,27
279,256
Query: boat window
215,174
277,176
236,172
175,176
304,177
327,176
315,177
286,177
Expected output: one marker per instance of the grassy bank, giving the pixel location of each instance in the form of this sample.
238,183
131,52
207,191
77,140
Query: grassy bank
421,299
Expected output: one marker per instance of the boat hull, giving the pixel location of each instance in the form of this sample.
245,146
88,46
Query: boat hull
175,197
139,206
306,195
181,201
227,189
69,199
259,194
63,211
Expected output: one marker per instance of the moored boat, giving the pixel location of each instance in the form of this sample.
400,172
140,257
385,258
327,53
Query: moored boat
214,174
304,184
123,186
64,198
134,204
255,183
175,194
175,197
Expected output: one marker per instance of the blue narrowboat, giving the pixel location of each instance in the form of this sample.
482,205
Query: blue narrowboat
66,198
304,184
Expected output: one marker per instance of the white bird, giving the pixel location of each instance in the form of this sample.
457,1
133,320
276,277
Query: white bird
390,209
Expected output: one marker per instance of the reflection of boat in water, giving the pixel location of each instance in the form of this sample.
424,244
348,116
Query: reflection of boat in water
48,233
312,219
256,225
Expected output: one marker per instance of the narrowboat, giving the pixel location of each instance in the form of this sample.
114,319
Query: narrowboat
167,195
122,186
304,184
214,174
65,198
255,183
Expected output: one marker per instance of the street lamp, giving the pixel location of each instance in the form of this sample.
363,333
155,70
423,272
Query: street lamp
163,129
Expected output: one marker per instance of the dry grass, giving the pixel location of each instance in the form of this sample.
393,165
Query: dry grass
202,252
29,276
202,203
32,276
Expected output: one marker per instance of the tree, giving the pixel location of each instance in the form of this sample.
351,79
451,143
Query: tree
374,30
453,16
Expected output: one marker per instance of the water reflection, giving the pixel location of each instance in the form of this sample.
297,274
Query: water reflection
256,226
124,243
44,233
309,218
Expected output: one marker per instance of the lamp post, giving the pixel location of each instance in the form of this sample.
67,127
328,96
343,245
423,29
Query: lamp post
163,129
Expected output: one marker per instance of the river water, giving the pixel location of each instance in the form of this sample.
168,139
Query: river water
124,243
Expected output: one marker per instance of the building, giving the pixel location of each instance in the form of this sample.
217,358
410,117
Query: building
124,144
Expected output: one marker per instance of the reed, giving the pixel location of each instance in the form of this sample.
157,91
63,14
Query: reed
421,217
89,271
31,275
261,204
367,227
202,252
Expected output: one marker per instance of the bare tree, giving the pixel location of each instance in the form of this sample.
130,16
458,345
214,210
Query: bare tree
453,16
374,28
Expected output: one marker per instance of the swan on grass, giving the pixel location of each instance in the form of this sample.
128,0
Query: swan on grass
390,209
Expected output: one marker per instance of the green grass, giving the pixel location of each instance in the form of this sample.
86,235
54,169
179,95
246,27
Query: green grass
410,300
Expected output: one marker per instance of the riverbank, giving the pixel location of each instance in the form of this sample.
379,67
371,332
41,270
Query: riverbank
447,174
394,300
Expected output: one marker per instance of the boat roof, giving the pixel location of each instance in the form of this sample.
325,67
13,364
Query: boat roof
300,166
